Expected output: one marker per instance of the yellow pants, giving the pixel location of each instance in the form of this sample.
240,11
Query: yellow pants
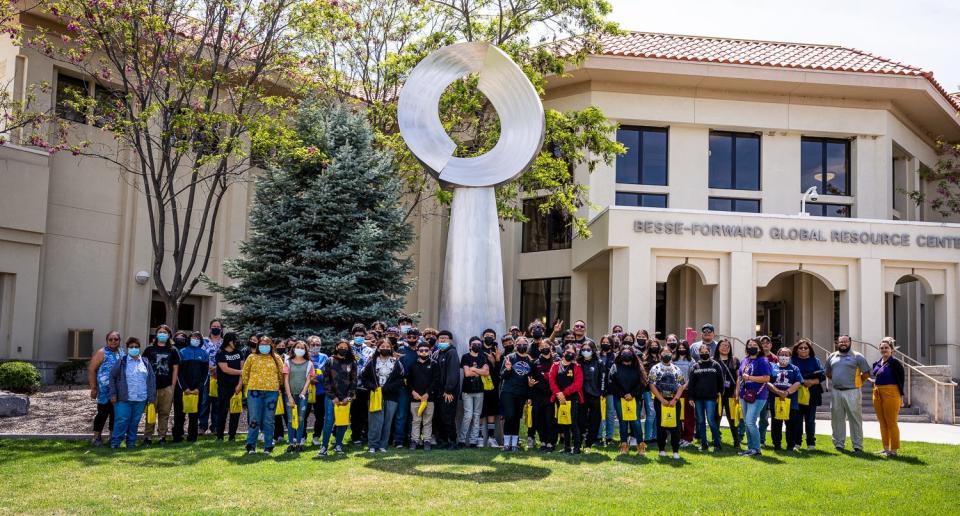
886,402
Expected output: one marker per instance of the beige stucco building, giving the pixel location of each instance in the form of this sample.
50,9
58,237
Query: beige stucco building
697,222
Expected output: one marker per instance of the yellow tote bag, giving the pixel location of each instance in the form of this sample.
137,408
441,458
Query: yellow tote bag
668,416
528,416
719,405
312,394
781,408
603,408
151,414
376,400
803,395
422,408
487,383
341,415
280,403
294,418
734,410
629,409
245,389
190,403
858,381
739,412
236,403
563,414
683,408
212,390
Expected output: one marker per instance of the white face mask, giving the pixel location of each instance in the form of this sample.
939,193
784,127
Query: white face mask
784,361
299,352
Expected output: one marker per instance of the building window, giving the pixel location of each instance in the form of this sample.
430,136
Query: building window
828,210
544,231
645,162
545,300
644,200
825,163
69,91
738,205
734,161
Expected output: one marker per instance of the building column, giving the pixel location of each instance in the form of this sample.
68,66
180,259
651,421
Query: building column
742,301
632,288
579,307
870,155
871,306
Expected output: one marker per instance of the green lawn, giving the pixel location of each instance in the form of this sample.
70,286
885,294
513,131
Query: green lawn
70,477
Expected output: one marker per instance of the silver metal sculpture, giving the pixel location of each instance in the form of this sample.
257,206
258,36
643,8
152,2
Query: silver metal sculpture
472,296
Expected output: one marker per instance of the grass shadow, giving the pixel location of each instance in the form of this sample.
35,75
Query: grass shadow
453,467
566,458
633,458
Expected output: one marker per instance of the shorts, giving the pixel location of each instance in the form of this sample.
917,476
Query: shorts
491,404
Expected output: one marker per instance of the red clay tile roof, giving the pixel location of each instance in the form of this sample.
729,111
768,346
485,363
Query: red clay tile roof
707,49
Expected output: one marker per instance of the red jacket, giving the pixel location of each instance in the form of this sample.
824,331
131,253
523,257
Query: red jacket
574,388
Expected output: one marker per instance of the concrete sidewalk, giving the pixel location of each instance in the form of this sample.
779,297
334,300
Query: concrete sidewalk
916,432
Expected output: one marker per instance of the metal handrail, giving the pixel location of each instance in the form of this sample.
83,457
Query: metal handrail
899,354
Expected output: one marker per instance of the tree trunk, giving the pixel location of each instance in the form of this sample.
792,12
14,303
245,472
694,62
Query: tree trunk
173,313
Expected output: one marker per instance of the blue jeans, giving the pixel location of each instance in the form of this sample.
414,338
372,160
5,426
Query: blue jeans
751,412
611,417
706,411
328,428
764,420
626,427
401,425
126,420
300,434
206,409
379,424
650,425
261,406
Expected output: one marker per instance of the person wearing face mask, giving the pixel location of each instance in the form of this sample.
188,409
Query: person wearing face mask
606,358
423,382
449,364
542,407
359,409
651,357
627,380
705,384
566,385
847,370
319,359
671,342
181,339
191,379
683,360
430,337
297,373
515,392
667,383
132,386
262,374
536,333
475,366
165,360
384,372
229,364
766,350
730,365
751,389
491,397
594,377
340,384
784,383
207,418
407,351
404,324
252,342
98,376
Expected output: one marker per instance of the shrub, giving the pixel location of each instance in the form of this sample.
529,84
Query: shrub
70,372
20,377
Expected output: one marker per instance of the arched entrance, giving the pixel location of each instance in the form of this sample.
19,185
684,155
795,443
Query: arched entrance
683,301
911,317
797,304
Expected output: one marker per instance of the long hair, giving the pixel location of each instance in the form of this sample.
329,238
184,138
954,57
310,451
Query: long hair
637,363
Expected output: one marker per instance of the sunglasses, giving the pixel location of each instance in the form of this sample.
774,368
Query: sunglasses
113,339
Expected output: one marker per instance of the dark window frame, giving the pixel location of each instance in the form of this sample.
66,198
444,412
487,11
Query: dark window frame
822,187
63,111
666,169
528,245
550,317
641,196
823,207
733,204
734,135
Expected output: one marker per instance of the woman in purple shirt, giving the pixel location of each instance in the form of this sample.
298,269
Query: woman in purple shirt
888,378
752,390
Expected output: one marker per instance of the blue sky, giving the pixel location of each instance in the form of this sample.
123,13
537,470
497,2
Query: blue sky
924,33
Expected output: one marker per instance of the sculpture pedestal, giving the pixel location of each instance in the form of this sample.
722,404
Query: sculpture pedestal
472,295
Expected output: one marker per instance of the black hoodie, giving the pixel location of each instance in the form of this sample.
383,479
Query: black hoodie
424,378
705,380
449,363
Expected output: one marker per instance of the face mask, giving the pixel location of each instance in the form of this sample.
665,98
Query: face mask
393,340
784,361
642,342
386,352
544,352
537,333
569,356
282,351
432,341
314,351
508,348
672,346
195,342
704,356
666,359
343,353
655,351
263,349
162,337
587,354
753,351
252,344
133,352
627,355
489,340
443,345
299,352
404,328
475,347
358,341
604,347
215,332
521,348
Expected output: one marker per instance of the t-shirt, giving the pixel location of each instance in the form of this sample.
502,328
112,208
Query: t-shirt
233,360
299,374
783,377
163,359
667,378
755,367
473,383
842,369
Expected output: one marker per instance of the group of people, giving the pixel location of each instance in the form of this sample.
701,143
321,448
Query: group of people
410,388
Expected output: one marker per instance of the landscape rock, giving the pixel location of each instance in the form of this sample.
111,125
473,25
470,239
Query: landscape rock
13,405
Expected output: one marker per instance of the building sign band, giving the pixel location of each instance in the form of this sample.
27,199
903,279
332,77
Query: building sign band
795,234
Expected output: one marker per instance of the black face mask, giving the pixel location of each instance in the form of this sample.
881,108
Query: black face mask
672,346
281,351
545,352
537,333
475,347
604,347
642,342
655,351
489,340
753,351
343,353
386,352
250,344
521,348
569,356
508,348
432,341
215,332
704,356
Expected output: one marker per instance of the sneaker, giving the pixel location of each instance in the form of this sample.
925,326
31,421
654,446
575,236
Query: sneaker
148,442
743,453
507,448
382,450
96,442
279,440
478,444
290,449
251,449
492,443
751,453
663,454
371,450
892,453
316,442
796,448
322,452
413,446
676,456
632,441
811,447
268,451
624,448
338,449
398,446
858,450
427,446
684,444
163,440
704,448
530,443
357,441
839,448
